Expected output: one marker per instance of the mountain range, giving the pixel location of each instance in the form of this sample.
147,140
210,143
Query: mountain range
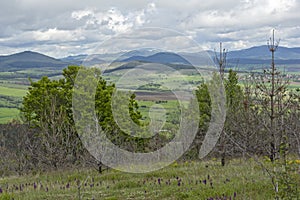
29,59
258,55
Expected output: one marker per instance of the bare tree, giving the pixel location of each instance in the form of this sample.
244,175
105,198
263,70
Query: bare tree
294,122
221,60
272,95
15,157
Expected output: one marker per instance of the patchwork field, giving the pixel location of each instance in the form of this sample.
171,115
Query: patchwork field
14,85
153,86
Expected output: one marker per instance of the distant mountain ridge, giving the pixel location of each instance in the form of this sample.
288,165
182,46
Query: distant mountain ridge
262,52
161,57
258,55
254,55
29,59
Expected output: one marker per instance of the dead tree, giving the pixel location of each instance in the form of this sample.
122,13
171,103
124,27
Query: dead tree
273,47
221,61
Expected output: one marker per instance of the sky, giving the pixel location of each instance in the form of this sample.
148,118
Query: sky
60,28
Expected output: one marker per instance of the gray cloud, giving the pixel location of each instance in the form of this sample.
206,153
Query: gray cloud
59,28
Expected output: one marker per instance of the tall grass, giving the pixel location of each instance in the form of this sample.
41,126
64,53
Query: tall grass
189,180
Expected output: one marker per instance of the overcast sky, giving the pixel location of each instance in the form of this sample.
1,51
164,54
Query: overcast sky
68,27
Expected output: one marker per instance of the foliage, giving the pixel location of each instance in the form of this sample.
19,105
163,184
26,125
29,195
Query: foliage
234,92
204,105
287,175
48,108
233,100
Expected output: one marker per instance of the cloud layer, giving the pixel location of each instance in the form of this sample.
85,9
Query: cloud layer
66,27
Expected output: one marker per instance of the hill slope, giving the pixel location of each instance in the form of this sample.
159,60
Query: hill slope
29,59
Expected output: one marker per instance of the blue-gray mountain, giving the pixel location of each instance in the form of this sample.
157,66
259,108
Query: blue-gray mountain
28,59
259,55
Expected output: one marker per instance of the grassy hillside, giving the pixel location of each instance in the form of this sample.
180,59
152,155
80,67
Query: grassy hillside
189,180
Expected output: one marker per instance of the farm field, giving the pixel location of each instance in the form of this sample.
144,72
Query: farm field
13,87
7,114
10,100
12,91
184,180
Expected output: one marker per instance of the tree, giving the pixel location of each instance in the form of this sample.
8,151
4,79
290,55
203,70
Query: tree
234,99
204,102
233,102
247,126
221,60
14,148
48,107
275,104
294,122
273,97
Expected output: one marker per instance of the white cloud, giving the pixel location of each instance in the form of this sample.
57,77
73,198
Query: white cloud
58,35
78,15
115,20
54,27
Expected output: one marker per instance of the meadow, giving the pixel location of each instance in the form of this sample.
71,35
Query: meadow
202,180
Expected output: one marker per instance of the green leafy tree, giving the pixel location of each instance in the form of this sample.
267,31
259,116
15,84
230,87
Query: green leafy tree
48,108
234,92
233,100
204,106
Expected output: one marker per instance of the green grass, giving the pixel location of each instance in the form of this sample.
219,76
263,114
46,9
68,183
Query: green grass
7,114
10,91
245,179
10,98
13,85
172,111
